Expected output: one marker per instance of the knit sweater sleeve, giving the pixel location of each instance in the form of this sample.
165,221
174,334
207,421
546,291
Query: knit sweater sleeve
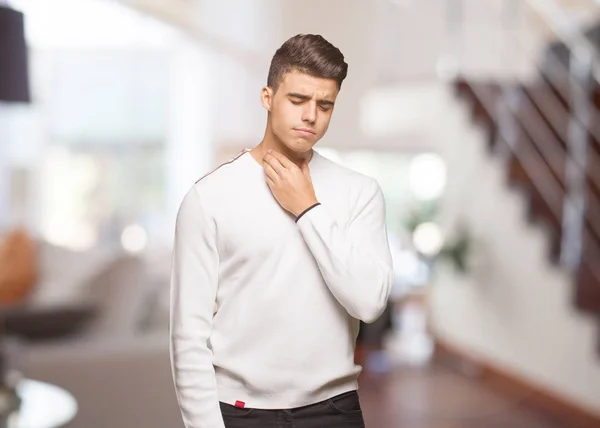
193,291
355,261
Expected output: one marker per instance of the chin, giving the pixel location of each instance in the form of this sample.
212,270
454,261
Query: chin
301,145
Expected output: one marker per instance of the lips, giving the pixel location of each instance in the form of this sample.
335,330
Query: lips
305,131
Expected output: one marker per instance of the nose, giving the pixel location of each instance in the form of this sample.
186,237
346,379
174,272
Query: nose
309,113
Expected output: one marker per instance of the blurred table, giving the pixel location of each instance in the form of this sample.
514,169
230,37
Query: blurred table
43,405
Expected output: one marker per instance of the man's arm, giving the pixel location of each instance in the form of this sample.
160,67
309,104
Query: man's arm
192,298
356,263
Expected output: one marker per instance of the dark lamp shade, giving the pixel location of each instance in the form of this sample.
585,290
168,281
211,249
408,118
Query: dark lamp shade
14,81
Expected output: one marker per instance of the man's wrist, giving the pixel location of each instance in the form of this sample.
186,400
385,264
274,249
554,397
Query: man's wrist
307,209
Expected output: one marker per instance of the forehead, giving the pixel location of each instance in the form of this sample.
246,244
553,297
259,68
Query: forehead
302,83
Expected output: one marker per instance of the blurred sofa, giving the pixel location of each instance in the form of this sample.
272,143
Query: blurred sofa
116,363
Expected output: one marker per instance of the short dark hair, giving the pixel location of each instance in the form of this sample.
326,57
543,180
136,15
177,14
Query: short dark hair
310,54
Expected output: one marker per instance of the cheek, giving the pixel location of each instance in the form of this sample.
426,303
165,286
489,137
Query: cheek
283,114
324,123
282,121
279,111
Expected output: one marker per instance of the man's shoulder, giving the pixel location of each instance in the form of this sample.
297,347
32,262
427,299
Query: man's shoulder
222,169
219,175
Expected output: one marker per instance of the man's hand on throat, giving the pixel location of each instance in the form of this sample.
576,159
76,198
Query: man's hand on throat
291,186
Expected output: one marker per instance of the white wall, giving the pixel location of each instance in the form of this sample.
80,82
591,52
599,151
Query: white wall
190,141
514,310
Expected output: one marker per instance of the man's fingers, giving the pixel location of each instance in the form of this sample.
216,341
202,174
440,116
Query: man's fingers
283,160
270,182
274,163
270,172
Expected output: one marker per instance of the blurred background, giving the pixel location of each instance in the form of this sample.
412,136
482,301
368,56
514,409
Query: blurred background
478,118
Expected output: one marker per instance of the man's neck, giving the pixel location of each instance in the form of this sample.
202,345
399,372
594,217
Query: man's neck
270,143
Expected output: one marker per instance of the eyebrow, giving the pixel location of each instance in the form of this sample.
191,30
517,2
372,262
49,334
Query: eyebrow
306,97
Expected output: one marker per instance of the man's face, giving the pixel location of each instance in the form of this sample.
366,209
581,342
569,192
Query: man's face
301,109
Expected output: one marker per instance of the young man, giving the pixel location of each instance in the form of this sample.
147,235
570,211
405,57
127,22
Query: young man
279,254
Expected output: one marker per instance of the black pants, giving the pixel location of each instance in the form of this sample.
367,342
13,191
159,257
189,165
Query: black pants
341,411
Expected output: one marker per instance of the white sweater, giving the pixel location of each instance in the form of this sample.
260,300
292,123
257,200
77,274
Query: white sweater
265,310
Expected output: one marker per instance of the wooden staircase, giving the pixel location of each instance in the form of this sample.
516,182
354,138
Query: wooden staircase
528,125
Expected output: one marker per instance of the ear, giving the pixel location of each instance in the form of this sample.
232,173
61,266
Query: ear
266,97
